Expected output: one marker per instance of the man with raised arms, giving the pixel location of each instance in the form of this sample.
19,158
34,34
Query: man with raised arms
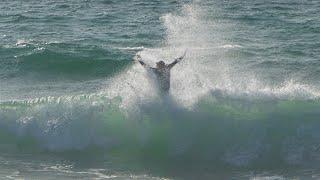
162,72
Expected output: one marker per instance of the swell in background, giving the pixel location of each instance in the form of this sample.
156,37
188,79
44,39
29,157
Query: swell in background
221,110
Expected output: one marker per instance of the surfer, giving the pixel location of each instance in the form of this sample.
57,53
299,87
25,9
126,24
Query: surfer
162,72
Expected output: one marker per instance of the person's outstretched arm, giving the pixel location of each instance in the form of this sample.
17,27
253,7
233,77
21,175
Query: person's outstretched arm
139,59
177,60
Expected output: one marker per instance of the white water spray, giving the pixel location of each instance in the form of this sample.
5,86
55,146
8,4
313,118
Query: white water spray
204,69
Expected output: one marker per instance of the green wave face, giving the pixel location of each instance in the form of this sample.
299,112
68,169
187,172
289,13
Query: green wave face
55,62
220,131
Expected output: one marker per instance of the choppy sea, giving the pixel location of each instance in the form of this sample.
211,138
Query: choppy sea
243,104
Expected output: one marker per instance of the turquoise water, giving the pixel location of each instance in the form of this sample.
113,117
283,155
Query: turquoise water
243,104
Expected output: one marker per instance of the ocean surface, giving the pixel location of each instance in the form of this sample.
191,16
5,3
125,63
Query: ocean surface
243,104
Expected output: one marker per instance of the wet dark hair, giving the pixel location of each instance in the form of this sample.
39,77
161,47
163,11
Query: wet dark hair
160,63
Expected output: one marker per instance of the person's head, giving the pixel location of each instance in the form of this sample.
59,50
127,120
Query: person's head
160,64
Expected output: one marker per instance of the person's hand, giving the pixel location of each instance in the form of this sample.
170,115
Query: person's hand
137,57
181,57
184,54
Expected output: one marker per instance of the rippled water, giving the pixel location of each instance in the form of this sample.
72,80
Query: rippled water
243,104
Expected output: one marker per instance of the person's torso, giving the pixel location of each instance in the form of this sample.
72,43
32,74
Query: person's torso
163,78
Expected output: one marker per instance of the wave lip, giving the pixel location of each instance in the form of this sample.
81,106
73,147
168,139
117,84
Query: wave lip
230,46
131,48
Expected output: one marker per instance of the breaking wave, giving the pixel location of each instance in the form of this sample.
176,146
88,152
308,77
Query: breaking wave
216,114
